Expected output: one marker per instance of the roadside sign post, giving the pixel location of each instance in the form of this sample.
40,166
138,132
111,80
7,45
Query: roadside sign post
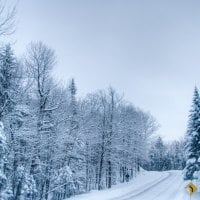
191,188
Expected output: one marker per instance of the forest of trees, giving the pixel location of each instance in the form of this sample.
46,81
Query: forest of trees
54,145
166,156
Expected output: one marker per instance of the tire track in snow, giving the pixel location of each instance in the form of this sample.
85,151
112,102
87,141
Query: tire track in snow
162,190
169,191
177,189
146,189
159,188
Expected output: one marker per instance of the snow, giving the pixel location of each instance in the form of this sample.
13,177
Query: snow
191,161
146,186
194,133
146,178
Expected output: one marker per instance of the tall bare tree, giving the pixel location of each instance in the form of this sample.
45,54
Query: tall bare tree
40,61
7,18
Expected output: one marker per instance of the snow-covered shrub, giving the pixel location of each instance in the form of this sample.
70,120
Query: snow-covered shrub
25,184
3,152
63,184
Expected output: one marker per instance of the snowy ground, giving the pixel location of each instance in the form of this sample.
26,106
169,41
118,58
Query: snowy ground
147,186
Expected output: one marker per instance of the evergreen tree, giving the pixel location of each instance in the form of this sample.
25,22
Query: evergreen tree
193,138
8,80
71,138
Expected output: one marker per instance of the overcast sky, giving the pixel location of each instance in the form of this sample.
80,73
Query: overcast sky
148,50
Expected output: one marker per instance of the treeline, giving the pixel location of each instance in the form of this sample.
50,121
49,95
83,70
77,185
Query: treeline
166,156
54,145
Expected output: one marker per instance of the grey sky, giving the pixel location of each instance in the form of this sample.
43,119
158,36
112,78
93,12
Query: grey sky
148,50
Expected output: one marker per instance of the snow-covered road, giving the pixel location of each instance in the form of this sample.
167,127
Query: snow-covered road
147,186
171,187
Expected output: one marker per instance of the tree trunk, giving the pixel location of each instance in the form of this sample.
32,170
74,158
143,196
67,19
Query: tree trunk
100,170
109,174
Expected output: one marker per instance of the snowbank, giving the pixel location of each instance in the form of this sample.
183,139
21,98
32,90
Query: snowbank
135,186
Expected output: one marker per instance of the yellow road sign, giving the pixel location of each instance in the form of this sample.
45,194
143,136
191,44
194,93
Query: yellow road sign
191,188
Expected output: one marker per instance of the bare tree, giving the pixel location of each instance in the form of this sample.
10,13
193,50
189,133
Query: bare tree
7,18
40,61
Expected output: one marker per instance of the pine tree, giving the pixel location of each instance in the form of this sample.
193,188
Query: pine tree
8,80
72,139
193,138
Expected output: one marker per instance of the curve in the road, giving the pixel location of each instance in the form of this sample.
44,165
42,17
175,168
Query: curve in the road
146,189
162,190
